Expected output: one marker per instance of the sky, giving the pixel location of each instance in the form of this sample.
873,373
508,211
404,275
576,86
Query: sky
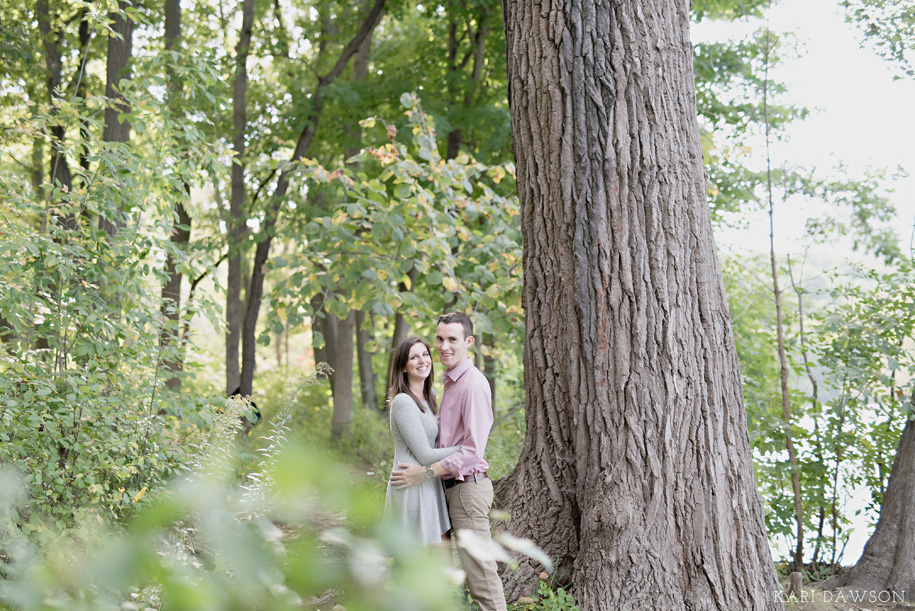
860,116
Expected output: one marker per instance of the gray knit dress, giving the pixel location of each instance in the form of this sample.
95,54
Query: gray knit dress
420,510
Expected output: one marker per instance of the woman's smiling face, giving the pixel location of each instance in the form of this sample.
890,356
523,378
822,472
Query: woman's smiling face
419,363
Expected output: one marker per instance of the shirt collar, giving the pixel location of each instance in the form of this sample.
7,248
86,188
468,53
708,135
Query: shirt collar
458,370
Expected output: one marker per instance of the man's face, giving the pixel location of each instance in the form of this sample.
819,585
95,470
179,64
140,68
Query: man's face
451,344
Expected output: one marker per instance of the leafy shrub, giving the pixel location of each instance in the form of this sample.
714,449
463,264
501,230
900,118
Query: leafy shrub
285,537
547,599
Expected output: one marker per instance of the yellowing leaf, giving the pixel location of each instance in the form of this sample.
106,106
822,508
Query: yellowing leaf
339,217
407,282
450,283
139,494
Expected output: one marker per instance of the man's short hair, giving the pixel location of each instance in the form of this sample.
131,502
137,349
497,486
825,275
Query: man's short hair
458,317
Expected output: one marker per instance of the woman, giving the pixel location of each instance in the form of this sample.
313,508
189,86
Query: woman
421,509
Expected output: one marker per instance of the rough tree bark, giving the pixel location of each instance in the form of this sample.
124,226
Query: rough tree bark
636,473
234,310
888,560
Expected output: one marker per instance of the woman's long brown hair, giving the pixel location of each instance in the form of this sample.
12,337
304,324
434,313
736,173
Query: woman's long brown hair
399,381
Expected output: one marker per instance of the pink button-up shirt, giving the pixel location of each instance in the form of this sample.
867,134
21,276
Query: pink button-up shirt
465,419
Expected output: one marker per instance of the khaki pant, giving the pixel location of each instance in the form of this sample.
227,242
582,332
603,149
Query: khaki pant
468,507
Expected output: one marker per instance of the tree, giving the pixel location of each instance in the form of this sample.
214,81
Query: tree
636,473
181,230
120,49
370,19
234,313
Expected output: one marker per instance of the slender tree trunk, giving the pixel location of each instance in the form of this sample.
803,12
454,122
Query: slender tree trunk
364,335
818,450
234,310
476,55
85,36
317,327
636,475
120,49
37,173
268,228
489,370
171,299
888,560
181,233
341,426
278,348
331,331
59,166
326,325
780,331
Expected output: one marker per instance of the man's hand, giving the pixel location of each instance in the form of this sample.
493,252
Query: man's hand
410,476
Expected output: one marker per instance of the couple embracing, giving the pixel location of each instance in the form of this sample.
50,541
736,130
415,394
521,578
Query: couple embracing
443,482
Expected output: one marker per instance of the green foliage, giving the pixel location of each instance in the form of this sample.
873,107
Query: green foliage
83,416
83,412
867,346
726,9
889,25
861,211
857,343
546,599
410,232
299,527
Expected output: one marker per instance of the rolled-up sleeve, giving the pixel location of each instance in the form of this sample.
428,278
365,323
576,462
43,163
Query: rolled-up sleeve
476,414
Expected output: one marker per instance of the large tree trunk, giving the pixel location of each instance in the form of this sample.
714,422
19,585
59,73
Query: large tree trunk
234,311
888,561
636,474
342,422
120,48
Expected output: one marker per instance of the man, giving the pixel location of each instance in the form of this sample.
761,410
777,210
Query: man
465,420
